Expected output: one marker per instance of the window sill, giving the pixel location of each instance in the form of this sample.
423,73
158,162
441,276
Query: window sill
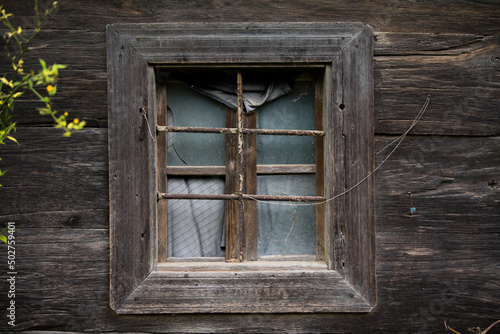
287,266
297,291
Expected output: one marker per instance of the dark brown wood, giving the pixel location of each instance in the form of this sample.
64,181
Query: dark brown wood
241,162
449,248
400,17
162,172
250,122
320,170
444,259
408,67
231,188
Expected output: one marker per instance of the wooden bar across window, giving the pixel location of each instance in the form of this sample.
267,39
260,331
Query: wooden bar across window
243,196
221,170
278,132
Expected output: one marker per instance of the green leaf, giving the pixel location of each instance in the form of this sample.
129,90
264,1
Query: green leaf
43,63
8,83
3,238
13,139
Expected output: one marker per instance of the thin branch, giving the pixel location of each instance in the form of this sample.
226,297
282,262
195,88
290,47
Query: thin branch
491,326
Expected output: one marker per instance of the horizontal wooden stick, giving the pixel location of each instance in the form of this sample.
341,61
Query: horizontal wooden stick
261,169
278,132
243,196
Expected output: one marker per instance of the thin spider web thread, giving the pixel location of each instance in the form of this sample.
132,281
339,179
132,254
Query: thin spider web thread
399,140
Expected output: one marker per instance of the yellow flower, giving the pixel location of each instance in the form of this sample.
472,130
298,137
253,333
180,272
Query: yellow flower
50,88
66,114
76,121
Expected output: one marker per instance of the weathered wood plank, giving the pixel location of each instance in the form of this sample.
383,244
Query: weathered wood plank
194,43
441,264
452,289
162,172
250,187
284,292
464,93
431,17
453,181
356,148
388,43
55,181
131,168
459,71
424,252
231,188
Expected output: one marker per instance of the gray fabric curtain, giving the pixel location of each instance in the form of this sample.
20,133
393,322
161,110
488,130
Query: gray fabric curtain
196,227
258,89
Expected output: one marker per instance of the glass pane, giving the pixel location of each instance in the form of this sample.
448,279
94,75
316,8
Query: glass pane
286,228
195,228
186,107
295,111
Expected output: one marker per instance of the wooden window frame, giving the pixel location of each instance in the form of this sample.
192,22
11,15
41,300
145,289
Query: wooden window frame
139,283
241,206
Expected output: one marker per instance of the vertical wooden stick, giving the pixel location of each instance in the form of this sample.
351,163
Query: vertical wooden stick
241,169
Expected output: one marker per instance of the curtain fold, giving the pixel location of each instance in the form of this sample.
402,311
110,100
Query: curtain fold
258,88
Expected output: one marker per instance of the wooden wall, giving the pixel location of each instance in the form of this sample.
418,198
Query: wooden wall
441,264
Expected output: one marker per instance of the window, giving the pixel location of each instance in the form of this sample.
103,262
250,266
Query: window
234,151
233,172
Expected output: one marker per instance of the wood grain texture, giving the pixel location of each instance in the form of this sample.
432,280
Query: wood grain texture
460,71
353,159
133,50
131,168
441,264
444,259
430,17
162,171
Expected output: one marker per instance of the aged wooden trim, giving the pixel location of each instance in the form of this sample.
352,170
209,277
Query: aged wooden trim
250,122
196,170
231,209
345,51
320,171
217,266
162,172
177,291
192,43
130,148
286,169
221,170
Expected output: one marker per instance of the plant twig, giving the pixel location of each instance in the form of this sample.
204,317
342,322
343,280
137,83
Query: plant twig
450,329
491,326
